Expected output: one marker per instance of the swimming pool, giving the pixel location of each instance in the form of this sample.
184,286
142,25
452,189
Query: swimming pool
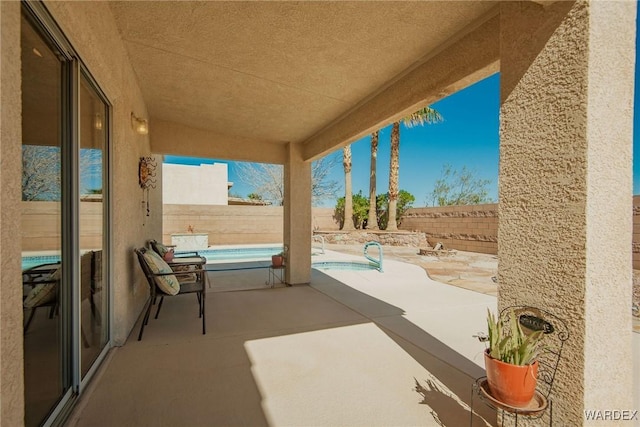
344,265
232,254
253,253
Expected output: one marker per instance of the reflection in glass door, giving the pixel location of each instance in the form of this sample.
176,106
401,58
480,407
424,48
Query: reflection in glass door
65,145
46,339
93,291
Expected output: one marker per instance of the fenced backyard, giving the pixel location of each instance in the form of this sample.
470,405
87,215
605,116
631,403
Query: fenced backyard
471,228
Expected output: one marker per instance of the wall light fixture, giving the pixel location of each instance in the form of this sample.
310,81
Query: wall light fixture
139,124
97,121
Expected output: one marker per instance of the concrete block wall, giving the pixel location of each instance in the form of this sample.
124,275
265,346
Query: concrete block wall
472,228
322,219
467,228
228,225
224,224
41,226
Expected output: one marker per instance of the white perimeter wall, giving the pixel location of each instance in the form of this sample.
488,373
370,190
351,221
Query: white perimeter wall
195,185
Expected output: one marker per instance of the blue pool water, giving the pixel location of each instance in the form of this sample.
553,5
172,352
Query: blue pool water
226,254
343,265
236,254
32,261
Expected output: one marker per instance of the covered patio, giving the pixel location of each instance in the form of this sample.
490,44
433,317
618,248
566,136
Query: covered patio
286,83
362,350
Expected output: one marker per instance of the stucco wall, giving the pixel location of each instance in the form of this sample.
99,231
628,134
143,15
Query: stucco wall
93,33
195,185
471,228
565,186
11,343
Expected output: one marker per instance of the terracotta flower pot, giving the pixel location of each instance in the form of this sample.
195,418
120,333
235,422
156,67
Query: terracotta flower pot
277,260
513,385
168,256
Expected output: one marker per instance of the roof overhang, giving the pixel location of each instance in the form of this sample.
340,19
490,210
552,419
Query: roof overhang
241,80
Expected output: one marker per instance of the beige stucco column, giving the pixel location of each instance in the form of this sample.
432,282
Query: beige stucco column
11,338
297,216
565,224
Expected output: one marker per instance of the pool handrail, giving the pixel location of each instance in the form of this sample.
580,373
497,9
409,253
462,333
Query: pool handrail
321,238
377,262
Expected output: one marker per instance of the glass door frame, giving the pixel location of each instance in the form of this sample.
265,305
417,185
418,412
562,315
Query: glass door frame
106,235
72,70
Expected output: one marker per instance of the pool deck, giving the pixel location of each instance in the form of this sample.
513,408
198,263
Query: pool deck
449,313
467,270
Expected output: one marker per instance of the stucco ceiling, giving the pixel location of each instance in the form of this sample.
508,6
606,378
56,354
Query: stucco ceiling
279,71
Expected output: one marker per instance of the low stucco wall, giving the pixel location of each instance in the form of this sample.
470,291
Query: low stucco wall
359,237
472,228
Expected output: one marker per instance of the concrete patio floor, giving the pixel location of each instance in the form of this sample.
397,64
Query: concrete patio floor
353,348
389,349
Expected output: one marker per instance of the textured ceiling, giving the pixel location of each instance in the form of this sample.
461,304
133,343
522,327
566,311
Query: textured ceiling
278,71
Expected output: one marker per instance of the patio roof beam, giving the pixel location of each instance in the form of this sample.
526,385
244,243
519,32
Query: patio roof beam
178,139
472,57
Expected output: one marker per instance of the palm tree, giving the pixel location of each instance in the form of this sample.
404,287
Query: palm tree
348,197
424,115
372,221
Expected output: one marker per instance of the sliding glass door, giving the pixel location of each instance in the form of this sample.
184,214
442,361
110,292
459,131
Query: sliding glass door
47,354
65,219
94,301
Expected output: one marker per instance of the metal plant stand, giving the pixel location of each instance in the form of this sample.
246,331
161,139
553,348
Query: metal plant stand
556,334
276,275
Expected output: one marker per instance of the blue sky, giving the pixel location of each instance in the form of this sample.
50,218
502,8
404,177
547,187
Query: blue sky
468,137
636,118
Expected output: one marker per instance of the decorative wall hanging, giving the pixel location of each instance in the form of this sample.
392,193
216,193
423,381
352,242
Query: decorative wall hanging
146,177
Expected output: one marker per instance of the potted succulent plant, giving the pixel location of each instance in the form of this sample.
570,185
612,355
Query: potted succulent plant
277,260
510,360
